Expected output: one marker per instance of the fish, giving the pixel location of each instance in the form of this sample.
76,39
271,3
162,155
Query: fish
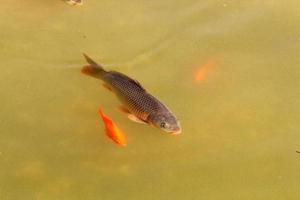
204,69
112,131
139,104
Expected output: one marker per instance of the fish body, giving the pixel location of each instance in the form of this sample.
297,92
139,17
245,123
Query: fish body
134,98
112,131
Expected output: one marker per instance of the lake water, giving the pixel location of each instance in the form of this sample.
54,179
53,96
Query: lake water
240,121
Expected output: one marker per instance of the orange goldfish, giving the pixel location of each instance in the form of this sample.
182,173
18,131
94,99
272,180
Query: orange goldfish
205,69
112,131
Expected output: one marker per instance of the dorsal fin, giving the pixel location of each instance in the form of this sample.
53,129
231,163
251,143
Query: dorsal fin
137,83
127,78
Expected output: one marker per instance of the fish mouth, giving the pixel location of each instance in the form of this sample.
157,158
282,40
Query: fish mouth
175,132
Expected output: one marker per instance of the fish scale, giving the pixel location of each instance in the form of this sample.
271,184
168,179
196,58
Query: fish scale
138,100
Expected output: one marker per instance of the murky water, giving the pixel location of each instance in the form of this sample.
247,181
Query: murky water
240,122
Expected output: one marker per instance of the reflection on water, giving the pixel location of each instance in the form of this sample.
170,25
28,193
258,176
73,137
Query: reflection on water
240,122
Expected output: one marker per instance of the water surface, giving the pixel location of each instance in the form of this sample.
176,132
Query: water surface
240,123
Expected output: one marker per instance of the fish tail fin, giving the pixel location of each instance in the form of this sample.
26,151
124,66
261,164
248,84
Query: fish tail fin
93,69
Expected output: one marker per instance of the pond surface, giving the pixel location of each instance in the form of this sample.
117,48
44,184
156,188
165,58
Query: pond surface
240,117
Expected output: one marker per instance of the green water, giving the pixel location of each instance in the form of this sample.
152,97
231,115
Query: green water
240,124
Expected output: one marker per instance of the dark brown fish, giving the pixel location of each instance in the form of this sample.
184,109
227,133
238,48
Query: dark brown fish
136,101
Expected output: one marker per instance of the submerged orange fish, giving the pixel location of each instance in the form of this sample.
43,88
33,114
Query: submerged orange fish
204,69
112,131
136,101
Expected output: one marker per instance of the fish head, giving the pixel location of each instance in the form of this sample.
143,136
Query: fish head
166,122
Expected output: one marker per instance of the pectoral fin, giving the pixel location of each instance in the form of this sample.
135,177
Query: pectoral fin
136,119
107,86
131,116
123,109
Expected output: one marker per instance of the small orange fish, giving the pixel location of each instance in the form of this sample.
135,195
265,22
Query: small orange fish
112,131
204,69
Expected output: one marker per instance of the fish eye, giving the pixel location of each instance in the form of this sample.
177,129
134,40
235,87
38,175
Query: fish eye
163,125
